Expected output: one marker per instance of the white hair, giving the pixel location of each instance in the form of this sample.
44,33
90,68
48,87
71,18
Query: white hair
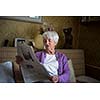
51,35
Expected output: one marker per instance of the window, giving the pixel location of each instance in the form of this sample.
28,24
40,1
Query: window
36,19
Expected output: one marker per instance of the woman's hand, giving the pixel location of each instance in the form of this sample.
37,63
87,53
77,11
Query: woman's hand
54,79
19,59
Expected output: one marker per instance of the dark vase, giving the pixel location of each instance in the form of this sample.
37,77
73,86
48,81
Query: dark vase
68,38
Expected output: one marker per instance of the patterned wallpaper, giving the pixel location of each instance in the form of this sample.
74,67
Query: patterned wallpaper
13,29
10,30
65,21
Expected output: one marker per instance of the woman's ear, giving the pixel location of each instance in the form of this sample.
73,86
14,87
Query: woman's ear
55,44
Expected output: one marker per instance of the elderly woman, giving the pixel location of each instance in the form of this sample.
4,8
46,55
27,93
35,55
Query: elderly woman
55,62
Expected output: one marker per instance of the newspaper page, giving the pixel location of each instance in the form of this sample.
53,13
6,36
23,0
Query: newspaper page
32,70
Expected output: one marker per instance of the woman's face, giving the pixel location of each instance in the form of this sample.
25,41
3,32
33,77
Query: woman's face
49,44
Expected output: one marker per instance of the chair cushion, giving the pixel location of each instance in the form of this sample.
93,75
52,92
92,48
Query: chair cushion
72,74
87,79
6,72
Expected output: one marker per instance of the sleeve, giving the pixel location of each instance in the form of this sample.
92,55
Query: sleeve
65,76
38,55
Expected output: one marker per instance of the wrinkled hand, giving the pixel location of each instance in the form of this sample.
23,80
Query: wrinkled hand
54,79
19,59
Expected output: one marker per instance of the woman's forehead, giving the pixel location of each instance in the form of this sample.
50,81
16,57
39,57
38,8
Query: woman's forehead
49,39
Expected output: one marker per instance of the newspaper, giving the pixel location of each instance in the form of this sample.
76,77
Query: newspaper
32,70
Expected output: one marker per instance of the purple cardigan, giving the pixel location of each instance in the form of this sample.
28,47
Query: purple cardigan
63,70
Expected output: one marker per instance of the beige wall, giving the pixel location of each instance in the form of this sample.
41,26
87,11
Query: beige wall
65,21
11,29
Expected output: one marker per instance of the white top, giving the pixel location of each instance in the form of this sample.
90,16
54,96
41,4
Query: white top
51,64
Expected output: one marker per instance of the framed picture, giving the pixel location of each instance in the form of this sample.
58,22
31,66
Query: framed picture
36,19
21,40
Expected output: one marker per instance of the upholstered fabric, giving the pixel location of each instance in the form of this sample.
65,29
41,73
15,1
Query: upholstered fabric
6,72
86,79
72,74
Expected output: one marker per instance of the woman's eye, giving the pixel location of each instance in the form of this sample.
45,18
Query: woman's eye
50,40
44,40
